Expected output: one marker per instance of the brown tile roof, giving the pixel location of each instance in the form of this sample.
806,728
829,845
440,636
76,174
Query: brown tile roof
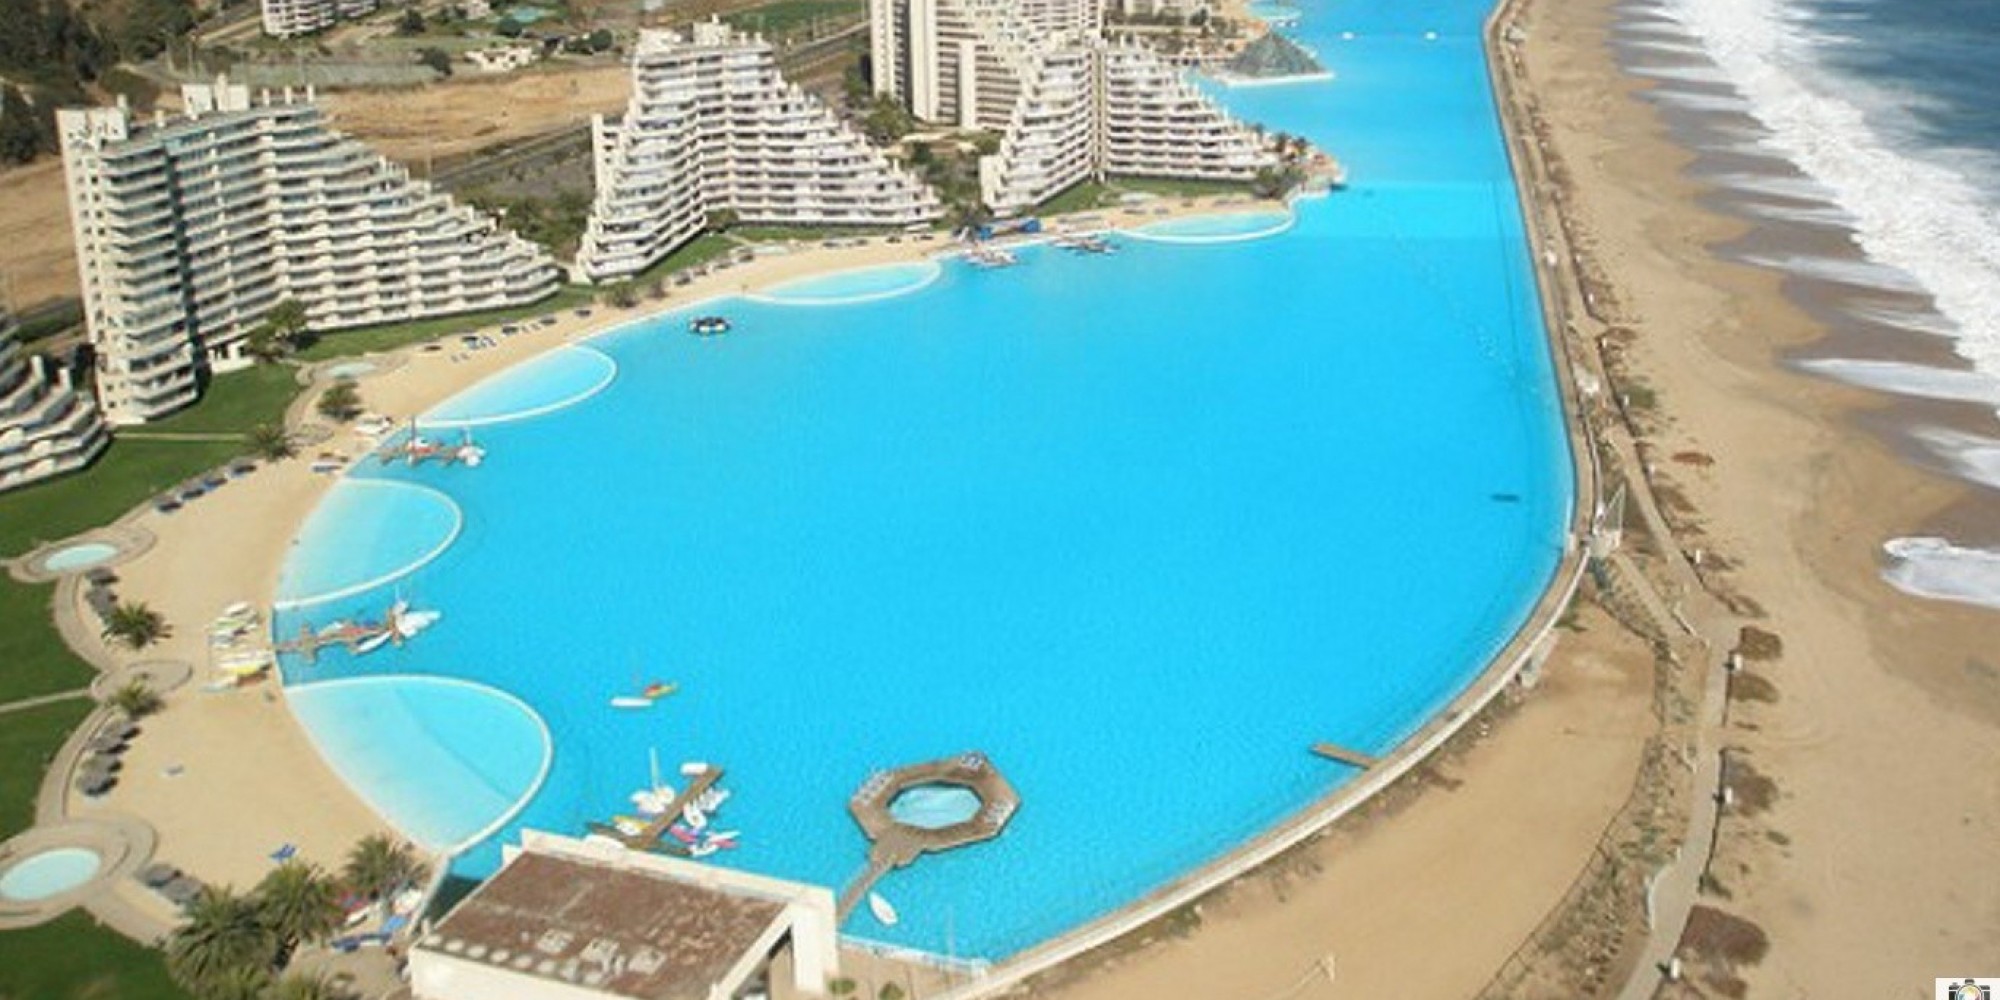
625,932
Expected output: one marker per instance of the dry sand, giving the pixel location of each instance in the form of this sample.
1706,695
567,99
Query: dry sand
1428,900
1877,868
470,114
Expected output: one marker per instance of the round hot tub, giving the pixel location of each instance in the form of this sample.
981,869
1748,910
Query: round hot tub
82,555
49,873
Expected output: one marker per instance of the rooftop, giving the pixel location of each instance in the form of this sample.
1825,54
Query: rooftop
619,930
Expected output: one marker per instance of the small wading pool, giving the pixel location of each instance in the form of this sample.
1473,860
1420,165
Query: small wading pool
49,873
74,557
935,806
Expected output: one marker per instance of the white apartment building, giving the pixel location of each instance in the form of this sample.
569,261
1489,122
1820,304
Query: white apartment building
188,230
291,18
46,428
1068,105
713,126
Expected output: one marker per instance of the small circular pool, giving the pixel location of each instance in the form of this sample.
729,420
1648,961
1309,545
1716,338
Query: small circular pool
351,369
71,558
934,807
49,873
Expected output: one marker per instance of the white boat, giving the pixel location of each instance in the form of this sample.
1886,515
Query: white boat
694,817
653,801
882,910
409,623
693,769
374,642
631,701
712,799
703,850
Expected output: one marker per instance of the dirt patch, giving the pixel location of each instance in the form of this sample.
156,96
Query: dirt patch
1752,791
37,253
1720,944
1700,460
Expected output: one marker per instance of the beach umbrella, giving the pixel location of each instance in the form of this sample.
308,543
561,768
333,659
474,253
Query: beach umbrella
157,874
101,577
123,729
94,783
105,743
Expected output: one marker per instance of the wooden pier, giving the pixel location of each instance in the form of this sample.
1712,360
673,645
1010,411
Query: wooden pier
894,844
648,839
1342,755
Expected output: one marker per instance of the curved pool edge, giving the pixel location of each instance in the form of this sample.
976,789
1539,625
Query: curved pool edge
494,827
610,375
933,269
1501,671
280,603
1283,221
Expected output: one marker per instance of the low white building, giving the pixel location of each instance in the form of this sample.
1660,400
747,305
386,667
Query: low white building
189,229
46,428
568,919
504,58
292,18
712,126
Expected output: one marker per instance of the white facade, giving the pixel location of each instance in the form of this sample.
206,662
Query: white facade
1068,105
189,230
291,18
46,429
712,126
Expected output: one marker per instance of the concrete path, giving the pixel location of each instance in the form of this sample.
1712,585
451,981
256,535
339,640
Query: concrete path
47,699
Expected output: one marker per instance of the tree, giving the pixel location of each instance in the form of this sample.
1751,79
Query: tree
224,937
243,983
299,903
379,866
886,120
622,295
411,23
136,699
723,220
135,625
341,402
306,987
890,991
601,40
20,132
283,331
268,442
437,59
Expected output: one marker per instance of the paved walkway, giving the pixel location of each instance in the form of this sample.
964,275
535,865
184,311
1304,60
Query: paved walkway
47,699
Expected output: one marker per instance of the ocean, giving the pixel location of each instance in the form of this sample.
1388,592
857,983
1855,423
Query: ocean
1862,136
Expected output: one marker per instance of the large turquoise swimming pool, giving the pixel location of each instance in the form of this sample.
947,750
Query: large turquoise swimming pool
1142,527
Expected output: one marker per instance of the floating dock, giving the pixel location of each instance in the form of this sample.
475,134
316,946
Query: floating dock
895,844
1342,755
649,839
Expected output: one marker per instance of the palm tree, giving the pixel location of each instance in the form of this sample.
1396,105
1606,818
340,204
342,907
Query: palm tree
225,937
378,866
242,983
300,903
136,699
135,625
340,402
269,442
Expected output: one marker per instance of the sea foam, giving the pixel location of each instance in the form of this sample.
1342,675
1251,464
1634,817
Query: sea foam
1934,567
1918,216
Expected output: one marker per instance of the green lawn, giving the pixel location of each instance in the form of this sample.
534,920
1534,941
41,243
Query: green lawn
33,659
703,248
1080,197
28,739
126,475
72,958
234,402
341,343
1179,188
813,234
785,16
